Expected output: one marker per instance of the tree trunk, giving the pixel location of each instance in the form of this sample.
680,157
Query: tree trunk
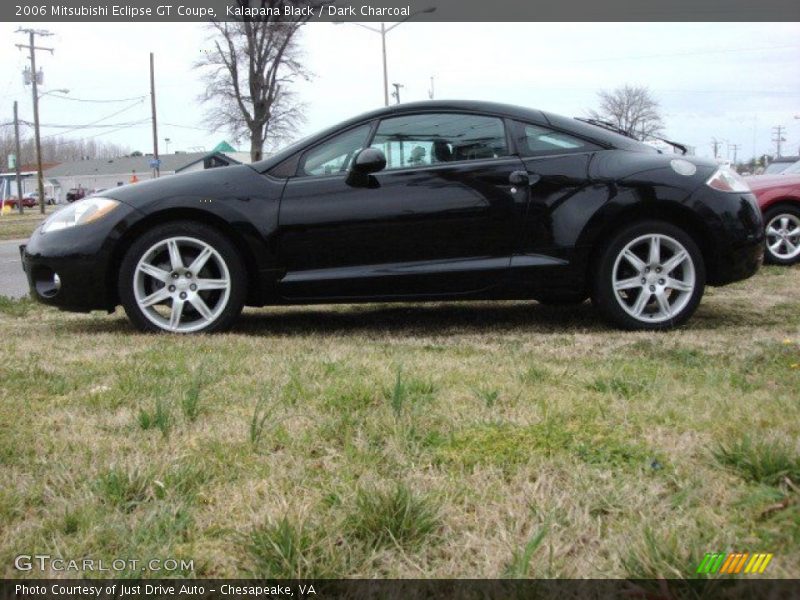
256,144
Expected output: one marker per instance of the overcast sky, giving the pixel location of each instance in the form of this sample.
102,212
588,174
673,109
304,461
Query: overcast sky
734,81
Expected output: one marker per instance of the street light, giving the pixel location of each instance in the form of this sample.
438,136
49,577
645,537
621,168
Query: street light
60,91
383,31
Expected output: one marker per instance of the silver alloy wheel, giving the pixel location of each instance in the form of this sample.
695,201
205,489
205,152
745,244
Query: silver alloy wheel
181,284
783,236
653,278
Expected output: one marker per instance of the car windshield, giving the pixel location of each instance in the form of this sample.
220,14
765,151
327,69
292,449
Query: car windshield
775,167
793,170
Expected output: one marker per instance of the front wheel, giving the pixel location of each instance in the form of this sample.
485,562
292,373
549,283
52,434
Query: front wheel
783,235
182,277
651,276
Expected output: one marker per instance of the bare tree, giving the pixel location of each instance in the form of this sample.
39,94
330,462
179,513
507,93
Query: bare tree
631,108
57,149
249,73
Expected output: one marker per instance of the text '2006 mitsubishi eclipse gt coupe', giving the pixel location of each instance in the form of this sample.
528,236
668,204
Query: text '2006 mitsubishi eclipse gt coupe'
422,201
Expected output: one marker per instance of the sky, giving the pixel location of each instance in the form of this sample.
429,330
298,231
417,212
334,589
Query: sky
730,81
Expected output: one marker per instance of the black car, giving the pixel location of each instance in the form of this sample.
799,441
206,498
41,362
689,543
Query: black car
423,201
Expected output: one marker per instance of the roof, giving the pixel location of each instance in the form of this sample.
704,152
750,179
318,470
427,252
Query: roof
785,159
124,164
33,167
21,173
223,146
529,115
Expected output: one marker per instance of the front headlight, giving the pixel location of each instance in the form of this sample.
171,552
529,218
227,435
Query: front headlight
79,213
726,179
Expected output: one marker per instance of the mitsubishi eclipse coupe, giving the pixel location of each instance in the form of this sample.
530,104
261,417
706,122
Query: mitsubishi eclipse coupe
422,201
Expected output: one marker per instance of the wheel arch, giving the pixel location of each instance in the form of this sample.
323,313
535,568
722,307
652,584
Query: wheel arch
779,201
236,237
669,212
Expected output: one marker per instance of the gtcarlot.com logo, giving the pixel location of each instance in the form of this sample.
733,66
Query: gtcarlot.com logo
45,562
734,563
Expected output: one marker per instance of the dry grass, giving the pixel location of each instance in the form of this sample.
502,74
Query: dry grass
14,226
443,440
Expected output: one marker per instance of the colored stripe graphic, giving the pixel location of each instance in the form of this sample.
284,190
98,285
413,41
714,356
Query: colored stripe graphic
727,564
740,564
734,563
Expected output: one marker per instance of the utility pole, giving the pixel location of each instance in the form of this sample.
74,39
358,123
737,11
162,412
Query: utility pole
385,68
383,31
157,170
396,92
715,144
430,91
735,151
17,159
32,48
778,138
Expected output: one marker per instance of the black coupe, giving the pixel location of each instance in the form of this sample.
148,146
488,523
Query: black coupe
422,201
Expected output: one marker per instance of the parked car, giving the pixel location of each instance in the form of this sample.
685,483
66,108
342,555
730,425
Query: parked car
779,199
419,201
35,197
27,202
74,194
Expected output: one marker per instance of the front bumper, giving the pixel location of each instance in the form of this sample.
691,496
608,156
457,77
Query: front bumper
72,268
734,248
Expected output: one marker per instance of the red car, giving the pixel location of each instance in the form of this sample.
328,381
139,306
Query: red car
27,202
779,199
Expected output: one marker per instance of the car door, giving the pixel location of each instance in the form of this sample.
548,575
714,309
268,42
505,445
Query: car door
561,195
441,219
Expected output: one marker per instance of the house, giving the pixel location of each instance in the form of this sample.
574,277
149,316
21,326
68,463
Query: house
8,182
100,174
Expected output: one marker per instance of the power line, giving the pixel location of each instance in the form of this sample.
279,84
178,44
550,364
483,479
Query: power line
76,127
109,101
90,125
688,53
186,126
89,137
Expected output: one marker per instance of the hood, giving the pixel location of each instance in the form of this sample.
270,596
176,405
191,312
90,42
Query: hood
766,182
218,183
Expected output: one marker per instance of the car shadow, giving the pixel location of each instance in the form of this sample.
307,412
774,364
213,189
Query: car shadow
399,319
412,320
420,319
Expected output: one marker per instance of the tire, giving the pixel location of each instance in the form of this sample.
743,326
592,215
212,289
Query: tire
782,229
636,289
561,298
182,277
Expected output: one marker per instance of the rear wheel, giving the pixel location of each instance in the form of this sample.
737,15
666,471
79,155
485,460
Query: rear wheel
783,235
182,277
651,276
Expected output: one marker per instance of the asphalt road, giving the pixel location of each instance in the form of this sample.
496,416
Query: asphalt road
12,279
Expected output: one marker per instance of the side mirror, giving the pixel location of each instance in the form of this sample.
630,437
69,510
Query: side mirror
369,160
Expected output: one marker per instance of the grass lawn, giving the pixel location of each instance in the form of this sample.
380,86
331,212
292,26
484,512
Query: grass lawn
14,226
441,440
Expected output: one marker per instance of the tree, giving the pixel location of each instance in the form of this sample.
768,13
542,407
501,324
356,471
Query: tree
55,148
249,73
631,108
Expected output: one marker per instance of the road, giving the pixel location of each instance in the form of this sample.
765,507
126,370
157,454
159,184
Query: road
12,279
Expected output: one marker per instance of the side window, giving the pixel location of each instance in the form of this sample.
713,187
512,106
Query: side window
534,140
334,155
431,139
